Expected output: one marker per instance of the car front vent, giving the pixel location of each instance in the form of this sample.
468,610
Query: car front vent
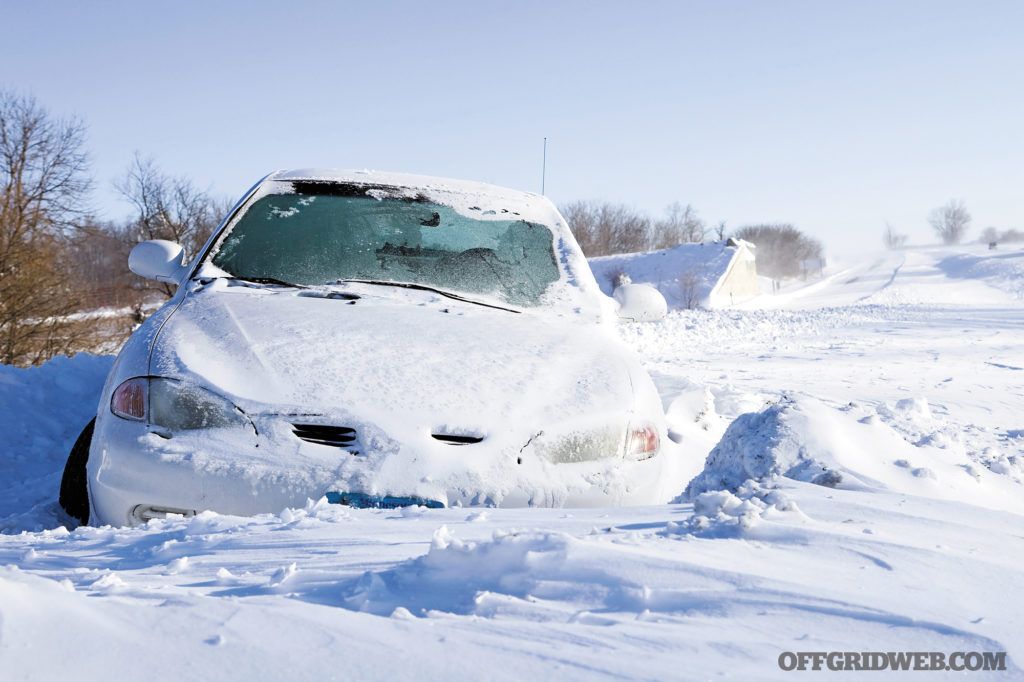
333,436
456,439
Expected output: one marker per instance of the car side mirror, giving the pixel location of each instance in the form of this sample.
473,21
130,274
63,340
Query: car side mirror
640,302
158,259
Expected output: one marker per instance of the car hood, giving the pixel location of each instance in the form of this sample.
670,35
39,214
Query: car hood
399,359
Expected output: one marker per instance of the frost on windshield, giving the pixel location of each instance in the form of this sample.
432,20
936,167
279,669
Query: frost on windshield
401,239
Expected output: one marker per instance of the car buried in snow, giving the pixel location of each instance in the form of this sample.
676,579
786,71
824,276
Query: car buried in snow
383,340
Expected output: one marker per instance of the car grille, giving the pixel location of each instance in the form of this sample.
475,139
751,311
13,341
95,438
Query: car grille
333,436
456,439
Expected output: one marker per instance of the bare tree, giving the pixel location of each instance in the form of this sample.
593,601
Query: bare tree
950,221
720,231
892,239
782,250
167,207
98,259
689,289
604,228
679,226
43,187
582,219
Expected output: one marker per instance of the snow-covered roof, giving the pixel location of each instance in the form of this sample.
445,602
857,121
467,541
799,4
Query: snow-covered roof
409,180
686,271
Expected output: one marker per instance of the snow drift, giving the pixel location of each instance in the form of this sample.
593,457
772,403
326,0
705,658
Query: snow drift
687,275
1003,271
898,447
42,411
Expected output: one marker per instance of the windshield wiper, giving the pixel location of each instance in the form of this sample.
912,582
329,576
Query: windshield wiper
267,280
424,287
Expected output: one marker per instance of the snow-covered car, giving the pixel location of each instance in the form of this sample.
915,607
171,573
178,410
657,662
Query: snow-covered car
380,339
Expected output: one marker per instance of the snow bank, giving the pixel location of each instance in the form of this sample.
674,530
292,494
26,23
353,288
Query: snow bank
899,447
697,414
778,441
684,274
1003,271
42,411
978,448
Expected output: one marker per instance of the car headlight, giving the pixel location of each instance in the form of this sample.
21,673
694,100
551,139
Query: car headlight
582,445
174,405
636,442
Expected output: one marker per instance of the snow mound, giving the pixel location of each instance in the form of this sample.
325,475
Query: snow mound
464,577
1003,271
1001,452
778,441
692,417
42,411
899,447
536,576
721,513
684,274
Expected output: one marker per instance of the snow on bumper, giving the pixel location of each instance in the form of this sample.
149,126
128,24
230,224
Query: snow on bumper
134,473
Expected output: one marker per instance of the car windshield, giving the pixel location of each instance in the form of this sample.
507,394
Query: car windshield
323,235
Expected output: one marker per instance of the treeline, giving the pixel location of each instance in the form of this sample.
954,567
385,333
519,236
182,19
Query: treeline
64,282
991,235
604,229
783,251
951,223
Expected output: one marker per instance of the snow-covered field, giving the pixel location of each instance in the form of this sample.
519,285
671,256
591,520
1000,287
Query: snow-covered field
869,498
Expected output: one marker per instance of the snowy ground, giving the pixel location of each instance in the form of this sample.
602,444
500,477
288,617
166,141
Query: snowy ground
882,434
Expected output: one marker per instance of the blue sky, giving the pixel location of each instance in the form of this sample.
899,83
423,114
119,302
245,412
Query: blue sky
835,116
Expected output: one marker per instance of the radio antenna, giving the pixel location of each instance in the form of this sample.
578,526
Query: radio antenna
544,168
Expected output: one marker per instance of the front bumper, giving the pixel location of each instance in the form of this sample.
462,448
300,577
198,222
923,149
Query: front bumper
135,474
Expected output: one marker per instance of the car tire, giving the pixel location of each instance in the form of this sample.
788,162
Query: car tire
74,490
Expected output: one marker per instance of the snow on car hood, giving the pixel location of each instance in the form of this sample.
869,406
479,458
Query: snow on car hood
399,366
392,356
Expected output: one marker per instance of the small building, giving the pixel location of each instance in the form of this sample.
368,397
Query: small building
708,275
